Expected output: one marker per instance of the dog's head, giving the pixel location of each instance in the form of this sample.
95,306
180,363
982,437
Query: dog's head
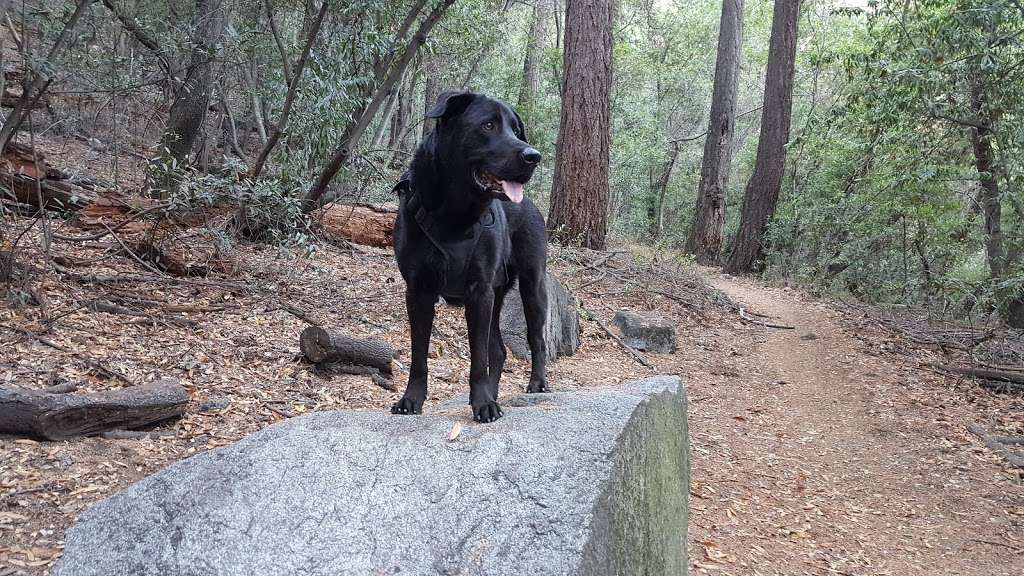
485,140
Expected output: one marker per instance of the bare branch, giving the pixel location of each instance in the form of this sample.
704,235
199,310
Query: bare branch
293,88
285,65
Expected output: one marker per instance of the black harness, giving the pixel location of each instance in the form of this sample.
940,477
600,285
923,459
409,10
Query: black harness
457,252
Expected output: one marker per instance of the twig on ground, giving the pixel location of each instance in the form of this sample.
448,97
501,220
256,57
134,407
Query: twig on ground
748,318
632,352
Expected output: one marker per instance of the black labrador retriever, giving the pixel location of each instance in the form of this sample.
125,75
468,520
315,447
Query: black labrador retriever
465,232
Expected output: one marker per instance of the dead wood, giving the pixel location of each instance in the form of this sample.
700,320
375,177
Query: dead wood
997,445
750,319
320,346
62,416
111,308
364,224
1001,375
24,172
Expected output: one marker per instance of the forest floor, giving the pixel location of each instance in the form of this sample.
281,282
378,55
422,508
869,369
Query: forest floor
827,449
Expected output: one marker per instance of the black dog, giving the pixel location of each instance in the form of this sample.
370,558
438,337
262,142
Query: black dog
464,231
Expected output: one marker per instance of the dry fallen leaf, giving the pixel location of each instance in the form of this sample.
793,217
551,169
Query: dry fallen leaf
456,430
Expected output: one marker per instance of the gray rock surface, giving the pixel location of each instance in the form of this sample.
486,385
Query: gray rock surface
647,333
589,482
561,329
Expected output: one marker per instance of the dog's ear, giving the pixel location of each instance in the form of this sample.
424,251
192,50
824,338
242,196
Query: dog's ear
451,103
520,128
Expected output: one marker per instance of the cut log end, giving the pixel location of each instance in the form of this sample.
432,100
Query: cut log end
322,346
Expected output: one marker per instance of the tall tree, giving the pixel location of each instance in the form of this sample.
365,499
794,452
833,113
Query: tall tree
762,192
705,240
579,195
536,42
191,98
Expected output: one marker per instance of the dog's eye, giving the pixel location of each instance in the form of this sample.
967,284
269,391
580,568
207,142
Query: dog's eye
488,126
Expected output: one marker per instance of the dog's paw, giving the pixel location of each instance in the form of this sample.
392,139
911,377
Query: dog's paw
537,386
407,406
488,412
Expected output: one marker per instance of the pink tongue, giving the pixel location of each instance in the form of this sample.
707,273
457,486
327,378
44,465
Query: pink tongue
513,190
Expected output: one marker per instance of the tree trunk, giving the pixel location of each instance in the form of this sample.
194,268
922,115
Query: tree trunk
432,87
191,99
579,195
990,202
988,195
385,80
536,42
705,241
61,416
658,191
762,192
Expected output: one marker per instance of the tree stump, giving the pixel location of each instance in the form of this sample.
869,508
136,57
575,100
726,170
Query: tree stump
62,416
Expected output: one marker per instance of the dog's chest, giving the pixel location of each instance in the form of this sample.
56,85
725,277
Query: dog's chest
458,259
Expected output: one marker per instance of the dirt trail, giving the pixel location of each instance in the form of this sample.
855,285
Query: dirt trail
814,454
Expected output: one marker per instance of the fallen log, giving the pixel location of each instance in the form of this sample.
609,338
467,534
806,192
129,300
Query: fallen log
62,416
364,224
1001,445
1014,376
323,347
30,180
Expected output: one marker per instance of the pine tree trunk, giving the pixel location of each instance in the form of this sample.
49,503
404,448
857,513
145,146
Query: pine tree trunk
191,99
536,42
705,240
762,192
579,196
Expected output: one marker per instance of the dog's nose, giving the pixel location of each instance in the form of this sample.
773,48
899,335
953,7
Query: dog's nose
531,156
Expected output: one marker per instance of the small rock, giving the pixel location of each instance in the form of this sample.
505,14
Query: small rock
809,337
647,333
214,405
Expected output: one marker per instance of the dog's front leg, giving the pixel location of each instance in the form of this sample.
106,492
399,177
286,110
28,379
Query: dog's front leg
482,396
420,307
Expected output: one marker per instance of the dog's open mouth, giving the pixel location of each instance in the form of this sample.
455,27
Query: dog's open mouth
512,190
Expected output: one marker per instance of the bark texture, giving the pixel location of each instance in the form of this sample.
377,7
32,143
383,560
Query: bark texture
61,416
320,346
705,240
762,192
579,195
363,224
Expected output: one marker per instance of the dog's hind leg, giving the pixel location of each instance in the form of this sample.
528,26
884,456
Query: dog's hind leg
420,307
482,397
